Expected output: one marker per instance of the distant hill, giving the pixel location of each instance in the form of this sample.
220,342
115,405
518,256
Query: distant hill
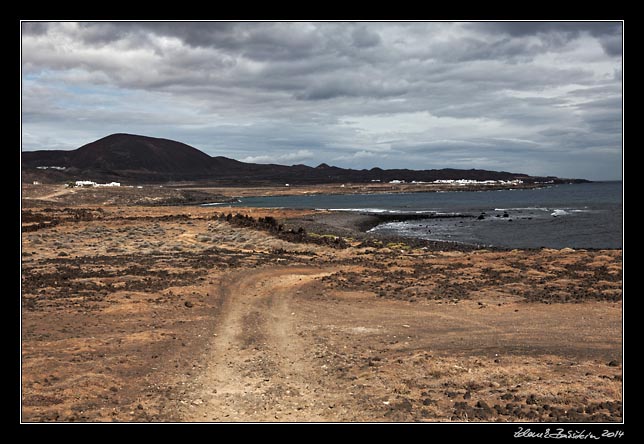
123,152
131,158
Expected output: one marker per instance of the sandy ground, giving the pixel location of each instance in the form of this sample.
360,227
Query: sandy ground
139,313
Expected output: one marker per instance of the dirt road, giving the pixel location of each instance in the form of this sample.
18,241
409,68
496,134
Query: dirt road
261,368
285,347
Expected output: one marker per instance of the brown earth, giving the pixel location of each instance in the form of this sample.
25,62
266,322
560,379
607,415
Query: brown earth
182,193
140,313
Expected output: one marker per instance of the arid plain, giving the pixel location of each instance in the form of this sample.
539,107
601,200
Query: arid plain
137,310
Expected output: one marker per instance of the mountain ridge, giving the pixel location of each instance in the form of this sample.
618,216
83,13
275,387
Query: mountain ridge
135,158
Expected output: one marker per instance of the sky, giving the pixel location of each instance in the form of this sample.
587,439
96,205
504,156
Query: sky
542,98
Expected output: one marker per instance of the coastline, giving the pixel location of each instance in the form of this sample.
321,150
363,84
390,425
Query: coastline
176,313
354,188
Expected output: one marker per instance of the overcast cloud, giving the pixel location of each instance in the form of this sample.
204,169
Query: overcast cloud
540,98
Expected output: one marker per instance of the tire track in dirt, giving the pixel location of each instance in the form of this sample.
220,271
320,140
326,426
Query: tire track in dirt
260,368
51,196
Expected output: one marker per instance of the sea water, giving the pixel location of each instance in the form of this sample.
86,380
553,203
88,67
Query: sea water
588,215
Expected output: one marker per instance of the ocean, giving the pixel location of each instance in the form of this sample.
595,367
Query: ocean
586,215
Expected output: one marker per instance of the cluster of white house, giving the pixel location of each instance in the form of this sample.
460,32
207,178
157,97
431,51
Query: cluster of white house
465,182
479,182
89,183
51,168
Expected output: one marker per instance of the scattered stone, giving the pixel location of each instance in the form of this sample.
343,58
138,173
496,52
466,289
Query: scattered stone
613,363
482,405
404,405
188,304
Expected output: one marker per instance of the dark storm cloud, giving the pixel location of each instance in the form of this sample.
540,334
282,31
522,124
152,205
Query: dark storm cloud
260,41
365,94
34,28
364,38
612,44
517,29
609,34
353,86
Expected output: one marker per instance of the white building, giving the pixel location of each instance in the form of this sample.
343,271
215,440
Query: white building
89,183
85,183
